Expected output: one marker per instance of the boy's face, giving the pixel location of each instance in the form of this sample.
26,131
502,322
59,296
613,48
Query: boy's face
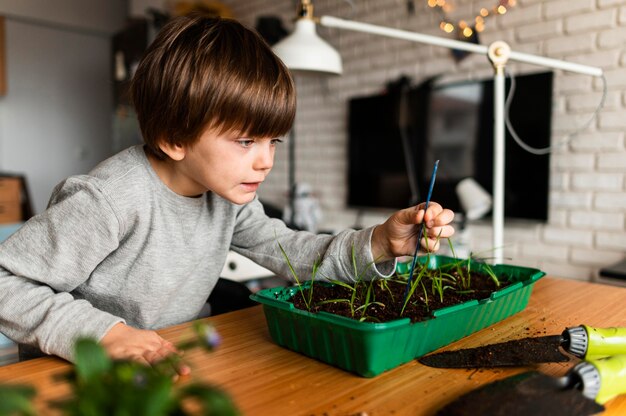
228,164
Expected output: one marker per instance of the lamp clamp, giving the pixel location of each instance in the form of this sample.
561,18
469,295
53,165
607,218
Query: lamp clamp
499,53
305,11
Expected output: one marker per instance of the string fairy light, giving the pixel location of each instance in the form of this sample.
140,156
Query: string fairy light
464,28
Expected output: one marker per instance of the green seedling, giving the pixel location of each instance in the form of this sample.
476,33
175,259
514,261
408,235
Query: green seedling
463,269
438,283
416,281
360,295
357,288
350,301
384,285
489,271
362,308
425,295
308,298
359,285
369,301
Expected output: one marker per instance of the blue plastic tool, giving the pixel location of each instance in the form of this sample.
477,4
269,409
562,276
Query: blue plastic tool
419,236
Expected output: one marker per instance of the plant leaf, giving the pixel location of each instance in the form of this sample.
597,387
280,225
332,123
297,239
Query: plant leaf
327,301
213,400
342,284
295,276
414,284
91,359
158,399
16,400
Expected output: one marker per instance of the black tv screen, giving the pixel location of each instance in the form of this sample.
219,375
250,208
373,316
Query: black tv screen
395,138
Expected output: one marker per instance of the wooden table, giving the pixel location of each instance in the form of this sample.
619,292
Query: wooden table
265,379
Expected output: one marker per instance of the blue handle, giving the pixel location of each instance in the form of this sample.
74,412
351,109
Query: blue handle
419,236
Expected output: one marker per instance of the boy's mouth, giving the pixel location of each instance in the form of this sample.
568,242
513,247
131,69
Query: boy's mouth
251,186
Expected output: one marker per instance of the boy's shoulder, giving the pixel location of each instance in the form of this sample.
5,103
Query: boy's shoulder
127,172
123,175
129,162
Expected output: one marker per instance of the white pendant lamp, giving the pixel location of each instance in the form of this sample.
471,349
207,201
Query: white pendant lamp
304,50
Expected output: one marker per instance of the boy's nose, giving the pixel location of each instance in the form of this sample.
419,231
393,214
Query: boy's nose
265,158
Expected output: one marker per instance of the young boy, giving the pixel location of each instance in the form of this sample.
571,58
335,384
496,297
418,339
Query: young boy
139,242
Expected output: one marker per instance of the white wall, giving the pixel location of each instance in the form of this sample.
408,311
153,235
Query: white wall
587,213
55,120
103,17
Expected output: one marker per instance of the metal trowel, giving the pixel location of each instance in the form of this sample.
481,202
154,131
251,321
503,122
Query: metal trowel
581,341
582,391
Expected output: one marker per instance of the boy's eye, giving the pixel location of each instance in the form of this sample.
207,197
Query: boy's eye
250,142
245,142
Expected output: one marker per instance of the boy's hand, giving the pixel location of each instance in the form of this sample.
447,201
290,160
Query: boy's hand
124,342
396,237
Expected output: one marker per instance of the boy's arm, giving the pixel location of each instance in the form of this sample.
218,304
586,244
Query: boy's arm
33,313
257,237
346,256
46,259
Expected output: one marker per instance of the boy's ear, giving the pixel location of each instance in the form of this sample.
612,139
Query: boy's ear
175,151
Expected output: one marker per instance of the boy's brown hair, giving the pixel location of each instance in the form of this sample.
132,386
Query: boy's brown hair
204,72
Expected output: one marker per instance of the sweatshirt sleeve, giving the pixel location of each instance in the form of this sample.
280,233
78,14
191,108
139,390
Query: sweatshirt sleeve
257,237
48,257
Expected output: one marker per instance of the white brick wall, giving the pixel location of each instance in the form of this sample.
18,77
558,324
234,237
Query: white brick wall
587,224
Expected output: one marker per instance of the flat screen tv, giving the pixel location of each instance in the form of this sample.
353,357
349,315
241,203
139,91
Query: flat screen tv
395,138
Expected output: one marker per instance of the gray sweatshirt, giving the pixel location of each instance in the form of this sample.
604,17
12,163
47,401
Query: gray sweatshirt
117,245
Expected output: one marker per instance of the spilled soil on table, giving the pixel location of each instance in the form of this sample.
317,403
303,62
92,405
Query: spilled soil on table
513,353
529,393
382,300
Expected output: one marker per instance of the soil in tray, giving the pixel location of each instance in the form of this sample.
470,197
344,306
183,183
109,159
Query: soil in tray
386,297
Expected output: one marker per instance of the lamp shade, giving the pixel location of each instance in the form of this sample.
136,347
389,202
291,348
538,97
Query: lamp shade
474,199
304,50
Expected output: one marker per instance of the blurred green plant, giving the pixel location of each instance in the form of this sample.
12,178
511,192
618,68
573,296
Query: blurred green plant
16,400
104,387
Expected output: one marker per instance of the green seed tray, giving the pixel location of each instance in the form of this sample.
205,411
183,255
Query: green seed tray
367,348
